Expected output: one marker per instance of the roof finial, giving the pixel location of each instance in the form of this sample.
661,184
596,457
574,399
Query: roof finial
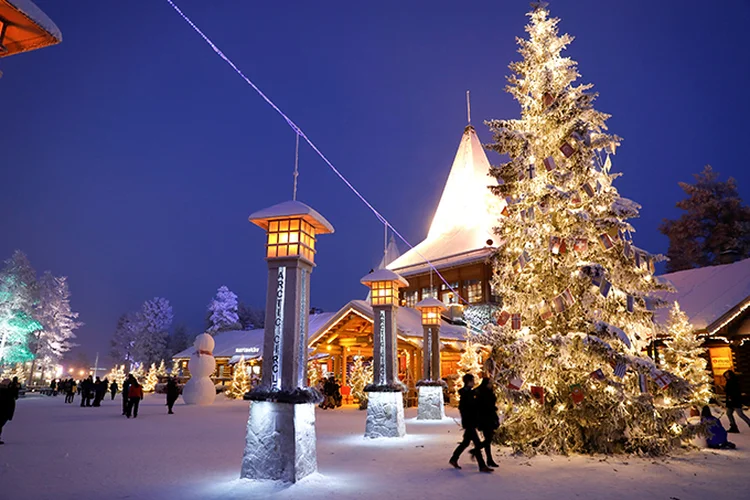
468,108
296,169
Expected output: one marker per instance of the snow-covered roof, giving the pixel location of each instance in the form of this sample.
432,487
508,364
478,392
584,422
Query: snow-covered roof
430,302
291,209
408,322
383,275
248,343
708,295
465,216
27,28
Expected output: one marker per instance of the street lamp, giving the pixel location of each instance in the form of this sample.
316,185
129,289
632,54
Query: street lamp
431,406
385,409
280,442
24,27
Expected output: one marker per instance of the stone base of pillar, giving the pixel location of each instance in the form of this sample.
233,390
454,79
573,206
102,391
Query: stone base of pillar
280,443
431,405
385,415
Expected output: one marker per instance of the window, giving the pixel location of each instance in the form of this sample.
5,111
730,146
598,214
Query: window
290,238
429,292
411,298
384,292
446,295
473,292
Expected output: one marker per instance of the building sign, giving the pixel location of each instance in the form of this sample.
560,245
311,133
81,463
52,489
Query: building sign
278,329
428,357
381,337
302,361
721,361
247,350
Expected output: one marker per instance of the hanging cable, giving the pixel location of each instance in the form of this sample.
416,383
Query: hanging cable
300,133
296,168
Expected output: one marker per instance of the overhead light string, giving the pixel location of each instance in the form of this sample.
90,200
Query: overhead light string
300,133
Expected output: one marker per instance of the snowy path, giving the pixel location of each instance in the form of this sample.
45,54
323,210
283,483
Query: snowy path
57,451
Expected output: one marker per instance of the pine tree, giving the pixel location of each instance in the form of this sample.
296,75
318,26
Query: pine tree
19,296
138,373
162,369
117,374
223,312
469,362
314,373
240,380
56,318
175,368
576,291
154,320
715,222
179,340
683,356
151,379
360,376
122,344
250,317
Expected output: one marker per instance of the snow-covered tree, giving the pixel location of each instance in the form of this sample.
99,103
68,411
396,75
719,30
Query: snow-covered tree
152,378
179,340
469,362
359,377
122,344
155,319
577,303
240,380
57,320
250,317
715,221
223,312
684,356
19,296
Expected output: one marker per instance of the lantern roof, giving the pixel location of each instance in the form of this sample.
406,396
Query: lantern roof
383,275
464,219
25,27
288,209
430,302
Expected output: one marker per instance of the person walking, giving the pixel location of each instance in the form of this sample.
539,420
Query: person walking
53,386
113,389
487,420
467,406
125,391
97,392
73,389
173,393
135,394
734,401
7,405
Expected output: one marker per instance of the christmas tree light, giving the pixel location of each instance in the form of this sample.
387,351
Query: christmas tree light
359,377
240,380
577,303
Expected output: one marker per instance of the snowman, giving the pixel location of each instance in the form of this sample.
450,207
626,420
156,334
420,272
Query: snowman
200,389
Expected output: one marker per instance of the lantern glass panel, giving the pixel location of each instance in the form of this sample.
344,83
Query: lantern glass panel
293,237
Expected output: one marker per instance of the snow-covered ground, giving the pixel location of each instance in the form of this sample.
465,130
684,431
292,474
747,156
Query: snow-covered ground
58,451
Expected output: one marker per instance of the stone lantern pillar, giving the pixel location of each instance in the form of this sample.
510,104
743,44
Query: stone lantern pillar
280,442
385,399
431,405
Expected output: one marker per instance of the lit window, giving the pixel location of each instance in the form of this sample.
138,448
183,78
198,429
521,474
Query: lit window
473,291
446,295
290,238
429,292
411,298
384,292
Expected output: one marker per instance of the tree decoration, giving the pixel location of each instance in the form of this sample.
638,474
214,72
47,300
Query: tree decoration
240,380
151,379
161,371
359,377
469,362
683,356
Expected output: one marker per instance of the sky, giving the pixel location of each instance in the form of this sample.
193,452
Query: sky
131,155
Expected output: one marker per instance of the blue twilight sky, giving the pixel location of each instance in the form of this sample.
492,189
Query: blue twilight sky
132,155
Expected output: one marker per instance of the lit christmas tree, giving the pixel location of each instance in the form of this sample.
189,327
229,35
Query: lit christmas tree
151,379
138,373
359,377
116,374
161,371
175,368
314,373
683,356
469,362
240,380
576,291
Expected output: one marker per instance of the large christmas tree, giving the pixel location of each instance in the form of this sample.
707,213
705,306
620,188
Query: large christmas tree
576,291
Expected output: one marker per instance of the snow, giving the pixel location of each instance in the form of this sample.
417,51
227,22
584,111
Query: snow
383,275
291,209
30,10
465,216
65,452
708,293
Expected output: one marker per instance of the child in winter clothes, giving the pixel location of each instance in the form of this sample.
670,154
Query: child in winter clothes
716,435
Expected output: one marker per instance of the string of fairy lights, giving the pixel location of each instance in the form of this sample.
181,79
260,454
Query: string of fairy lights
300,133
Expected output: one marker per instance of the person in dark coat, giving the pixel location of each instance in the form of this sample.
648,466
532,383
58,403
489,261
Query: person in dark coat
7,404
135,394
113,389
53,386
126,391
734,401
173,392
487,420
15,389
467,405
716,436
98,393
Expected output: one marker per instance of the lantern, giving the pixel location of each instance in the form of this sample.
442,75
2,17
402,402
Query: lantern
384,285
430,309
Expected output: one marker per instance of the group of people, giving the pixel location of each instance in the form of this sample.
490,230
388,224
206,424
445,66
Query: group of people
9,390
478,408
132,394
331,391
88,388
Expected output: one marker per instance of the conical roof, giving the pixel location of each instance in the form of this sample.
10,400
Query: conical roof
466,213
